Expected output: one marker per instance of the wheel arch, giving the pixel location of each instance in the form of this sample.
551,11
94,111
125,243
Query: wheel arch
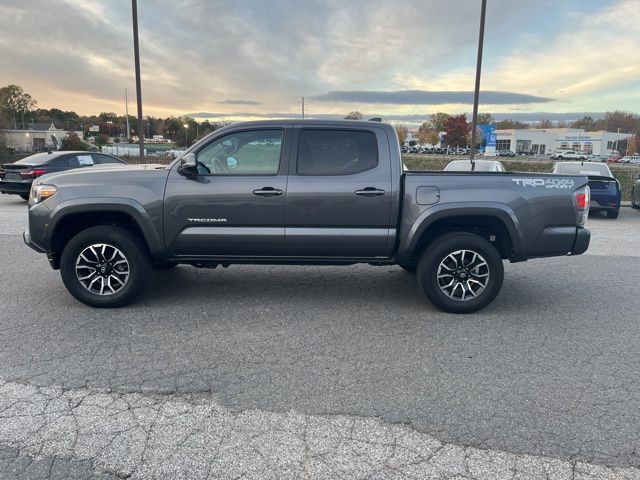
70,218
498,224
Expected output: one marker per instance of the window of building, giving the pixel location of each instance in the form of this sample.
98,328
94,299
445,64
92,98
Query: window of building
503,144
336,152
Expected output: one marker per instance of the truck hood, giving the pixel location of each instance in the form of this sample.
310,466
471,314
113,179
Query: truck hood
100,175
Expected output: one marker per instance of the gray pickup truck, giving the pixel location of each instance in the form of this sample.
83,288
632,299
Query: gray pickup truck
302,192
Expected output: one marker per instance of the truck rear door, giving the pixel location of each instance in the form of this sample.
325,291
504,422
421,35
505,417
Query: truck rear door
339,194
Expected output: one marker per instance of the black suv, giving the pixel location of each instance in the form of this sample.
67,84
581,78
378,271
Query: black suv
16,178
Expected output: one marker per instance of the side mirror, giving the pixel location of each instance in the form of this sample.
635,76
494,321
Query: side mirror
188,165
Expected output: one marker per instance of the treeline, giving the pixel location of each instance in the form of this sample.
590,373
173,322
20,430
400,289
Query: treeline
18,110
457,129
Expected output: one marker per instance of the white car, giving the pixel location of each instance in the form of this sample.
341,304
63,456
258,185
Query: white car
481,166
568,155
630,159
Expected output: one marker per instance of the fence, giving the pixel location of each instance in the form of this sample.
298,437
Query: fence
12,157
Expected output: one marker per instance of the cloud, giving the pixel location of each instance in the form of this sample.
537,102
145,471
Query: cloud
240,102
203,55
421,97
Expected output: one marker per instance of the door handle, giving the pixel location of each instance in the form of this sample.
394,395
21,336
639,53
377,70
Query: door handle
268,192
369,192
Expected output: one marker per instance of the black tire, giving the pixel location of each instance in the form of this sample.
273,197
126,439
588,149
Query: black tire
132,250
409,268
437,253
24,196
613,214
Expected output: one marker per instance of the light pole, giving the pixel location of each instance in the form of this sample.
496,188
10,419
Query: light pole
186,132
136,58
616,147
476,94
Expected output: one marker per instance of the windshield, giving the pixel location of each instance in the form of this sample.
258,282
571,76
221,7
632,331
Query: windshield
586,169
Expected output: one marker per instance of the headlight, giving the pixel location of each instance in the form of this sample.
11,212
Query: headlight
40,193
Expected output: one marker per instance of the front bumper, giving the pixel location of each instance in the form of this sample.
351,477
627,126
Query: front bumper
581,244
27,240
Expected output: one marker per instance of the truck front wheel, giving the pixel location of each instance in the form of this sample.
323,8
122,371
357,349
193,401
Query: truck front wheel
105,266
460,272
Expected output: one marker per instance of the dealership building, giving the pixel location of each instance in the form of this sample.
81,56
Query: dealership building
546,140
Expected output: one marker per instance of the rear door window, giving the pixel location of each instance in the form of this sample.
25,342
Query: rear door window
100,159
336,152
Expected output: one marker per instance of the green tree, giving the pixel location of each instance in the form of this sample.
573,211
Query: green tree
457,128
485,119
402,134
438,120
14,102
509,124
73,142
586,123
108,117
427,134
355,115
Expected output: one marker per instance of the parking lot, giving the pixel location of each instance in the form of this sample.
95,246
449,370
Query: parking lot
324,372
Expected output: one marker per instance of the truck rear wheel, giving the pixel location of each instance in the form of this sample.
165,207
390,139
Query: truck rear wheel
105,266
460,272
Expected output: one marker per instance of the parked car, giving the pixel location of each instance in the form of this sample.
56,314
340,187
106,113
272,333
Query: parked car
568,155
634,159
506,153
323,192
605,189
635,192
16,178
481,166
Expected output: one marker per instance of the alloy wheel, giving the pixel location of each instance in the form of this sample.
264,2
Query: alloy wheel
102,269
463,275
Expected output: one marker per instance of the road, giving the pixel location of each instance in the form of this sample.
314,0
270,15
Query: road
324,372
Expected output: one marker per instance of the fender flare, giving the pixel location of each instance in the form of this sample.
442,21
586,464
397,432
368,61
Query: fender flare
499,211
97,204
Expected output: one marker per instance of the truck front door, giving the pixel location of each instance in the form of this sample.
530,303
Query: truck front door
235,205
339,194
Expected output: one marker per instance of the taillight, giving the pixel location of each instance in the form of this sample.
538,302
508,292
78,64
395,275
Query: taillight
582,198
36,172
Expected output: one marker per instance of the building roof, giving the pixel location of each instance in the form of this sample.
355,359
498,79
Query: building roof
42,126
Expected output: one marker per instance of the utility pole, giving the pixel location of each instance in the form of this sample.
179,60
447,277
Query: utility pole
126,109
303,108
476,94
136,58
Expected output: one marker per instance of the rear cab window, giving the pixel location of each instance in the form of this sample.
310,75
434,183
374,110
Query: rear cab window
326,152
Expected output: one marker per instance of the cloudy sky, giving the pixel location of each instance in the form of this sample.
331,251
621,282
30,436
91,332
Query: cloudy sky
396,58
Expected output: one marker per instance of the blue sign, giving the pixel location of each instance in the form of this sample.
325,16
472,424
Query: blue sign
489,132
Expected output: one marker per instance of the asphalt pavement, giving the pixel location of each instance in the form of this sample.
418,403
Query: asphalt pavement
324,372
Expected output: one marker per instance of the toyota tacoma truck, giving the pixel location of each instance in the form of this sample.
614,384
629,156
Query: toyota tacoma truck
302,192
